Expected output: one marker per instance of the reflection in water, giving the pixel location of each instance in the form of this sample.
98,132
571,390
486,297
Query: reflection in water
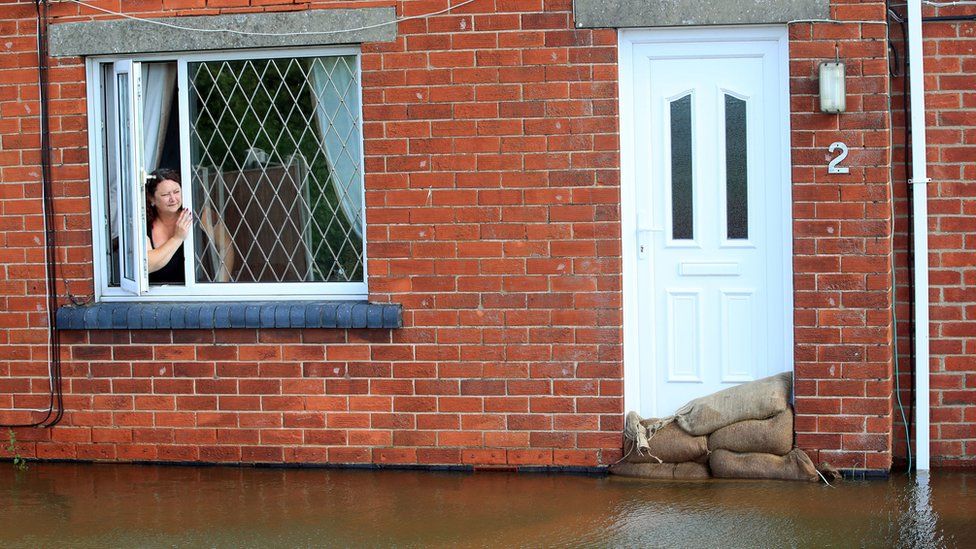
920,526
123,505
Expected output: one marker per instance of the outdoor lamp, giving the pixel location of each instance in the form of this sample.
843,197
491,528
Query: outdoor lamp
833,92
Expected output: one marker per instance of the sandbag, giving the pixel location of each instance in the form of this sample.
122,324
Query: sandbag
691,471
661,471
765,436
795,465
758,399
670,444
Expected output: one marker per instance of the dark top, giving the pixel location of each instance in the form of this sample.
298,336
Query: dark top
172,272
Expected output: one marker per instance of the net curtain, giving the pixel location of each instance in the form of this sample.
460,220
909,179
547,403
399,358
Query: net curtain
337,113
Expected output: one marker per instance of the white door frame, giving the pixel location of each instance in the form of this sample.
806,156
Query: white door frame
627,39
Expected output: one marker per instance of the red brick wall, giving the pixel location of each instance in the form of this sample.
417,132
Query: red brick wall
842,244
493,216
899,178
23,306
492,204
950,100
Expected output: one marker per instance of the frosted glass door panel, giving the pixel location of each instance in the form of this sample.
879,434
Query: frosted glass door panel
682,179
736,169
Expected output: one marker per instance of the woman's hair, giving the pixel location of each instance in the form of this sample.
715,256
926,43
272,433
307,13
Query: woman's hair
152,181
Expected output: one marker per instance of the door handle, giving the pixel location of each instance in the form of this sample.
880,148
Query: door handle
644,232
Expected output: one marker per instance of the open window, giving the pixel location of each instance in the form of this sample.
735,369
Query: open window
268,148
129,171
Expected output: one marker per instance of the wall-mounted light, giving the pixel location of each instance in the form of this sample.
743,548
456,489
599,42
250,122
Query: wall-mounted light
833,92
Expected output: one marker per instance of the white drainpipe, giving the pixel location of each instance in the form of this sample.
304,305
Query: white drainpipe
919,182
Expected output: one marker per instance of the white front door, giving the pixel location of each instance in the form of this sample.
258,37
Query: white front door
706,212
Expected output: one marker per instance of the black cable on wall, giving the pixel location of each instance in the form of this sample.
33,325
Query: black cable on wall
55,410
901,69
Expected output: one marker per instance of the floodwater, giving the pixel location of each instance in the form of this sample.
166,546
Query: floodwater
104,505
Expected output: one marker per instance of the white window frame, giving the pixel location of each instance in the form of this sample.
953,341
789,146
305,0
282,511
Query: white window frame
192,290
134,227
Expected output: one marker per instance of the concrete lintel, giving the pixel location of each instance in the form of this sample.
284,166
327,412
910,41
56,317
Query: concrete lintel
128,36
671,13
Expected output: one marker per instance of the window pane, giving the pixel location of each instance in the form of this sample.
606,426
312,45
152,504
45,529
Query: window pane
111,175
276,164
682,191
125,175
736,173
160,117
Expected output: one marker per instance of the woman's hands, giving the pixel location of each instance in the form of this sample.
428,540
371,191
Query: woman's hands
159,257
183,225
215,231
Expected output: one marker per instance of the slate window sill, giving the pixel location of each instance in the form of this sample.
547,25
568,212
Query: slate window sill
240,314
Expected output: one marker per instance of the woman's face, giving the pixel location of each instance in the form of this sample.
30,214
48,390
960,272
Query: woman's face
167,197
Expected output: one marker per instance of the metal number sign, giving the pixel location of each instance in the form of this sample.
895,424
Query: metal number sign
834,166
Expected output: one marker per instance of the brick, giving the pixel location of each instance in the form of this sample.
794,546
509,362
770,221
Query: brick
492,193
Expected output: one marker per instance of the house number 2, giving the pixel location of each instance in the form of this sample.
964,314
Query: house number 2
834,166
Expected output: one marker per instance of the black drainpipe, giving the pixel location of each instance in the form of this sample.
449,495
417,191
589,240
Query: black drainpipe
949,18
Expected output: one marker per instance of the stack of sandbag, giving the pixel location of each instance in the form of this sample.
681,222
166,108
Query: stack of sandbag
759,449
746,430
667,454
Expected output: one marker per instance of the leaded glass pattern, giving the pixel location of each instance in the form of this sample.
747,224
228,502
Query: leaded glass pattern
275,148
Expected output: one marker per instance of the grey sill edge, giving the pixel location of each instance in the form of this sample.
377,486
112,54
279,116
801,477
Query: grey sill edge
237,314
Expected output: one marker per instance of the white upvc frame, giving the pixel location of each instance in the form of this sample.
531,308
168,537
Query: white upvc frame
192,290
627,39
131,173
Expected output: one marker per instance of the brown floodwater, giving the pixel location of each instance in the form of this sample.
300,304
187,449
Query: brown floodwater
104,505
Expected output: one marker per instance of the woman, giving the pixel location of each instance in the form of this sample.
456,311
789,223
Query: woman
168,226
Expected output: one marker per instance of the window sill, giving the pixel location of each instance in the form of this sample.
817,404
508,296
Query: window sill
242,314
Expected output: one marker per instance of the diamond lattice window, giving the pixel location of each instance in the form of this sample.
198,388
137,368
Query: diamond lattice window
267,152
275,150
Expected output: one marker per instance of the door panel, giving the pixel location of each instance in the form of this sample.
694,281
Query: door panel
711,279
684,336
